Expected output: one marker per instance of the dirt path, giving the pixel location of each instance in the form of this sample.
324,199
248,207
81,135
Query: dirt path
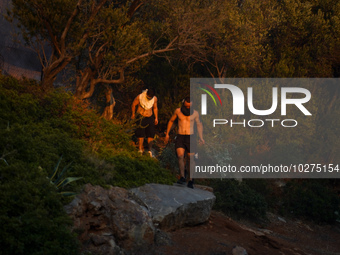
221,234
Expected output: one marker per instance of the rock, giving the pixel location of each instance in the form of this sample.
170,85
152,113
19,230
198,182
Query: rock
172,207
238,250
107,218
162,238
258,233
207,188
266,231
282,219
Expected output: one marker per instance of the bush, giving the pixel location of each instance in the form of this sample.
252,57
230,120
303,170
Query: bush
36,129
268,189
31,214
168,158
311,199
238,200
133,172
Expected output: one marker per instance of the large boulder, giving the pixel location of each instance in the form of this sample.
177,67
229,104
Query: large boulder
173,207
107,220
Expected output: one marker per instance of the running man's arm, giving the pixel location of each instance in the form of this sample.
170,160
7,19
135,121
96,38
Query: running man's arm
199,127
170,123
133,107
155,111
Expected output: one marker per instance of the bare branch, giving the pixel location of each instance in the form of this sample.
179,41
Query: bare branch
68,25
92,17
166,49
101,49
134,7
52,36
4,155
121,79
94,82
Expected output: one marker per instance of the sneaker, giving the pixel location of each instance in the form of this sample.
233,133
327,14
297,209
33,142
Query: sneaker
181,181
151,154
191,184
140,152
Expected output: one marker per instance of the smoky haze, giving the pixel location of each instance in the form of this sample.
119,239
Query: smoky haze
17,60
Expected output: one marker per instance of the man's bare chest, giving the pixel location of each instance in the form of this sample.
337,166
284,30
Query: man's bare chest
182,117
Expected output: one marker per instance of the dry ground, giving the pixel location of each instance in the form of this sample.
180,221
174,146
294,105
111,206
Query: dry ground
279,236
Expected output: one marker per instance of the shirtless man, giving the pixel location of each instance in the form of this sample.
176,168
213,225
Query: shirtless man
187,117
146,104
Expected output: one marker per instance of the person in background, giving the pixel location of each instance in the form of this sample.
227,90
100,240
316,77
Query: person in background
187,117
146,104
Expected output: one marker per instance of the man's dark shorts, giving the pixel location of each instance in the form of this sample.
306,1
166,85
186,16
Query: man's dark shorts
146,127
183,141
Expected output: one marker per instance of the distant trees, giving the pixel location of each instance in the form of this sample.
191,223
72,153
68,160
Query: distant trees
52,24
95,39
234,45
271,39
304,39
102,41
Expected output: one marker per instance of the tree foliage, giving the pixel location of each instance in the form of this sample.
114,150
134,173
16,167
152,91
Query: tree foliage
103,41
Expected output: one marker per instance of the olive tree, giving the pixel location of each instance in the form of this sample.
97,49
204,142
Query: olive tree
103,41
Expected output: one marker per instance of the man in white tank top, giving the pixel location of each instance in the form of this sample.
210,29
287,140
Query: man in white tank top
147,110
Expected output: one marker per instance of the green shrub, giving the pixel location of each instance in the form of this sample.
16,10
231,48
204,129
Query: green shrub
268,189
31,214
38,144
60,179
168,158
238,200
125,170
35,130
310,199
133,172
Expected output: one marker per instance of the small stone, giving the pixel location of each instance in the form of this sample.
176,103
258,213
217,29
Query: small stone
282,219
238,250
162,238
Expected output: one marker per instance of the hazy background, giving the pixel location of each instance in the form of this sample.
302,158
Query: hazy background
15,59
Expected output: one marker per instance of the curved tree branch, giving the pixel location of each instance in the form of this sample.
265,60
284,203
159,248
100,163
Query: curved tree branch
68,25
94,82
166,49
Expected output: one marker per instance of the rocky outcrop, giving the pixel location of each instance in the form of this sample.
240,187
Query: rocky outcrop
118,221
173,207
108,220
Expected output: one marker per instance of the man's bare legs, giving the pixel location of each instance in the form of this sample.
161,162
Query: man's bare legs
150,141
141,144
192,164
181,162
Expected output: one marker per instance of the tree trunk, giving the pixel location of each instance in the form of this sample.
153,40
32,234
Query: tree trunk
48,78
82,82
87,78
110,104
51,71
